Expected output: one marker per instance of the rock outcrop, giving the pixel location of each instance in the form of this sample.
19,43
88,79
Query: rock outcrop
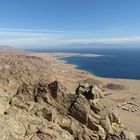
34,113
36,108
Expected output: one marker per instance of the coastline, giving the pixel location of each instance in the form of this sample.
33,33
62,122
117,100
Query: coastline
60,55
120,91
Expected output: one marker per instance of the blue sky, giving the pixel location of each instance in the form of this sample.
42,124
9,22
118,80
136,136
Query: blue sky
62,22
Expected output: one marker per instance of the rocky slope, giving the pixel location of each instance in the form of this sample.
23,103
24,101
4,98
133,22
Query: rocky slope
35,105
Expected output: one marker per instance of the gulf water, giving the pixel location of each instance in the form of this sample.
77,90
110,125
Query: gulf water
113,62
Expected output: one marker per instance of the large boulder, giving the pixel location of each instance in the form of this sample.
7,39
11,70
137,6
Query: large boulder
86,90
94,125
91,92
70,124
80,109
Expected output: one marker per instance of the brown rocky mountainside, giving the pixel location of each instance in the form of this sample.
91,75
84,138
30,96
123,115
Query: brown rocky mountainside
35,105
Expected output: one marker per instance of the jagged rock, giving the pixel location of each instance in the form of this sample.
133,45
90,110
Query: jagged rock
93,121
70,124
40,92
35,120
54,89
86,90
45,111
97,92
89,91
94,125
114,117
101,121
90,135
57,90
80,109
102,134
100,107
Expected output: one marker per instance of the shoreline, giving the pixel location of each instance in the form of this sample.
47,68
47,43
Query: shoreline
65,55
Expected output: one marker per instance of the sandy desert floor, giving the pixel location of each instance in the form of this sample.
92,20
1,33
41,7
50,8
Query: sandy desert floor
124,94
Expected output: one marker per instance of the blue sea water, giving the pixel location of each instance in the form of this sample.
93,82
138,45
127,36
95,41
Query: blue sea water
114,62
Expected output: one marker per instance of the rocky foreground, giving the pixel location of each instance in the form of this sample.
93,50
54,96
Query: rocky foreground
35,105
